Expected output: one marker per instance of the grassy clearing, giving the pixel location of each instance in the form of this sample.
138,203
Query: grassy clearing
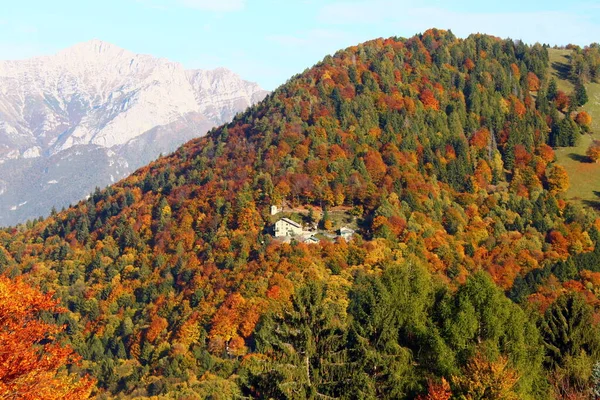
340,219
559,63
584,176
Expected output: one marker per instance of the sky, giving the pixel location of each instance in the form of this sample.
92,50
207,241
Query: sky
268,41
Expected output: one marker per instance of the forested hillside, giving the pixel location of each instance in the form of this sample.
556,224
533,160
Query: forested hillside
469,275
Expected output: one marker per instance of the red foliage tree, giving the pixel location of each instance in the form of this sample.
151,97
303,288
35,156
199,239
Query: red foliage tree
522,156
559,243
562,100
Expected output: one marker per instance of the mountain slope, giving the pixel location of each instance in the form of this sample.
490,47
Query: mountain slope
585,175
98,94
435,147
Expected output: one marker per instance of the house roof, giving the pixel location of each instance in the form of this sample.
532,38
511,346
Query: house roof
311,239
289,221
346,230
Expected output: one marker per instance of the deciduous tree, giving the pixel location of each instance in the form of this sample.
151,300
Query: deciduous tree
33,362
593,152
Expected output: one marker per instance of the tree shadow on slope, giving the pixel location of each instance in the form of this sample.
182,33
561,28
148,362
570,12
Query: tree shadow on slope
595,204
579,158
562,68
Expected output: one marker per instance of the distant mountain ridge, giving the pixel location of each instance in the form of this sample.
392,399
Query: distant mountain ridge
98,94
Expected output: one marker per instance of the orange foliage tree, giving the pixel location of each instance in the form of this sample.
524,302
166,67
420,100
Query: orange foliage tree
429,100
375,165
546,153
33,364
518,106
437,391
593,152
533,82
583,119
515,70
469,64
480,138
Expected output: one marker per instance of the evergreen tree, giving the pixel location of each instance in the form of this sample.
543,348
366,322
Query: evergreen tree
307,341
568,331
479,319
552,90
389,313
580,94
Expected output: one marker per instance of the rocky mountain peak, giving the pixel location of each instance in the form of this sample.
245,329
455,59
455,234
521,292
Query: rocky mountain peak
96,93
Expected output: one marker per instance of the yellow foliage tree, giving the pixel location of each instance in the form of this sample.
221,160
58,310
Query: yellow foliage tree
558,179
485,379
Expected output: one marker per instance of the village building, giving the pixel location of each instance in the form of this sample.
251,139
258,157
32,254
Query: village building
346,233
286,227
311,240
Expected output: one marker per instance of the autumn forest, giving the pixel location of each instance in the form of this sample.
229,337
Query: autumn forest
469,276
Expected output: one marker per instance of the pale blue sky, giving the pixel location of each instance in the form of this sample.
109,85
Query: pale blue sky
267,41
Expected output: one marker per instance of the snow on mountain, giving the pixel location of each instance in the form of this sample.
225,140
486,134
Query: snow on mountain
93,113
98,93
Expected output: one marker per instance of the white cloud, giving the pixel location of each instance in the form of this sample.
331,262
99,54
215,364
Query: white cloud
214,5
403,18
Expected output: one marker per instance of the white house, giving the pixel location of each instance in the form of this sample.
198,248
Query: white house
346,233
287,227
311,240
